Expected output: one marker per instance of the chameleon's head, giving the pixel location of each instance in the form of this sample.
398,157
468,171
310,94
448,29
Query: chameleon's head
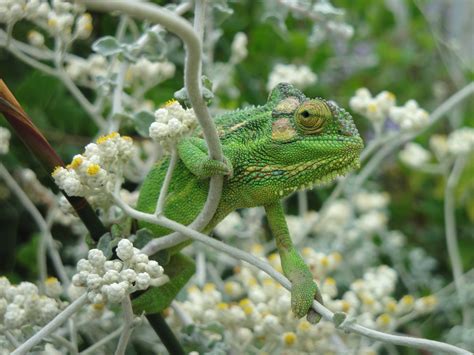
312,140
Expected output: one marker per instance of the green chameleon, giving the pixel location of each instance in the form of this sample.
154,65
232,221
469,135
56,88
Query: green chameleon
291,143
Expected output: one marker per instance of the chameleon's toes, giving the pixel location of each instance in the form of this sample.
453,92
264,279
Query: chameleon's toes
302,295
212,167
313,317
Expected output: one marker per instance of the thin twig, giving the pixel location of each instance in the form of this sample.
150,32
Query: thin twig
302,202
93,348
51,326
181,314
117,95
160,204
451,235
72,348
128,317
11,338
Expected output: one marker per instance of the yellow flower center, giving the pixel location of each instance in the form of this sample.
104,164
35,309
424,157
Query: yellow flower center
93,169
289,338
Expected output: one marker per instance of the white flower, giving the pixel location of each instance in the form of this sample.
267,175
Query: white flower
439,145
53,287
14,316
97,172
154,269
84,26
461,141
365,201
35,38
409,116
111,280
150,73
239,48
172,122
375,108
340,29
143,280
96,257
4,140
414,155
116,292
337,215
300,76
125,249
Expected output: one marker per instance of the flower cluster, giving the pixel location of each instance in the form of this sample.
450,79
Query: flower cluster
370,298
363,216
22,304
56,17
300,76
172,122
112,280
409,117
375,108
96,173
255,310
4,140
461,141
365,201
36,191
86,71
414,155
149,73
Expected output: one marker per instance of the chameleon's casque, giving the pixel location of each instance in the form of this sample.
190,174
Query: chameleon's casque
290,143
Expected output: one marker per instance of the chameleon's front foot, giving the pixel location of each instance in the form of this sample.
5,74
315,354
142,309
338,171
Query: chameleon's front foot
303,291
210,167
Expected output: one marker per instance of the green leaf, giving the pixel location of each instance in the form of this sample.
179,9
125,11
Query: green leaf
142,121
338,318
143,236
156,299
105,245
107,46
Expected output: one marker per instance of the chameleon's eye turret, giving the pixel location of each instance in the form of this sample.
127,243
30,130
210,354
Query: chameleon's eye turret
312,115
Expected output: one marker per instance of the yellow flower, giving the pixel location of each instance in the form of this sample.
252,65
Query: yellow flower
51,280
93,169
289,338
209,287
169,103
75,163
222,306
56,170
384,320
98,306
103,139
407,300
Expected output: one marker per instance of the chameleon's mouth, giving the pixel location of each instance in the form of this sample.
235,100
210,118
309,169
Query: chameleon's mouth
324,173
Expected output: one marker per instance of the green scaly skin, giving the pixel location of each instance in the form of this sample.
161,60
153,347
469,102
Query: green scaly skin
291,143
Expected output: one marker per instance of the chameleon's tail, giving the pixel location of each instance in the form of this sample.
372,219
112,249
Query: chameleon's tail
179,269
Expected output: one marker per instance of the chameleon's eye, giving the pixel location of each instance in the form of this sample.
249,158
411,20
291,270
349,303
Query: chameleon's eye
312,115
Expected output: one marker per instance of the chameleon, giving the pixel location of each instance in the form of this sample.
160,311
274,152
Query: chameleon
291,143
